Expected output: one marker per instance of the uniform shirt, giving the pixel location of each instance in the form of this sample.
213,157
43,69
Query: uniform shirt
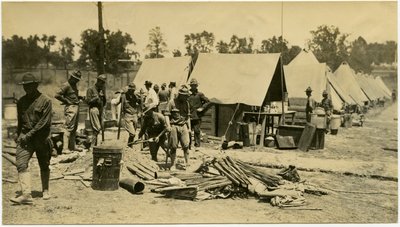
326,103
94,99
69,93
153,125
131,103
163,96
182,105
151,98
310,106
34,115
173,93
197,100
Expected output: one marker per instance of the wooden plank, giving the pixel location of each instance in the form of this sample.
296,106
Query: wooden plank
306,137
85,183
73,172
72,177
285,142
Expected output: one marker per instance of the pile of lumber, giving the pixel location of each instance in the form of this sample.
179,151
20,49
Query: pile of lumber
143,168
225,177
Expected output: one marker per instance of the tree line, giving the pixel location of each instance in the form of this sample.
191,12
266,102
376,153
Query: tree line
327,43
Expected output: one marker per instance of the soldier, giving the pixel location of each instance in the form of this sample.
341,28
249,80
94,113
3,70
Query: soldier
156,88
130,112
96,99
310,104
34,111
326,103
152,97
163,96
178,116
155,126
69,96
173,92
198,102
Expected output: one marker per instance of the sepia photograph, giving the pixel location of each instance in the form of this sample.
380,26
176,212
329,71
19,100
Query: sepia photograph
199,112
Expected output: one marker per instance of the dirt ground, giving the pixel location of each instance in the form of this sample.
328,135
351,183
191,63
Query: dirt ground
350,164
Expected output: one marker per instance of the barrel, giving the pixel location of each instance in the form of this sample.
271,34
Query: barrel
348,121
10,111
106,167
335,124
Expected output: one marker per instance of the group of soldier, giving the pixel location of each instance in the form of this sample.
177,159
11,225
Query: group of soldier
326,104
165,117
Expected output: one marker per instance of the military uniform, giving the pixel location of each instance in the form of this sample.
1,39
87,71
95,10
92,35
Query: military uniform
197,100
69,94
34,114
96,99
130,110
153,125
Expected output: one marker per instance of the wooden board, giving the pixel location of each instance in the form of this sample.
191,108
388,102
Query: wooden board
306,137
285,142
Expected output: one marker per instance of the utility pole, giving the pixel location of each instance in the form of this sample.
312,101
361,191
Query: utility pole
100,63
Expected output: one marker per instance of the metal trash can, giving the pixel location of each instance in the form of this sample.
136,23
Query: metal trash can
106,167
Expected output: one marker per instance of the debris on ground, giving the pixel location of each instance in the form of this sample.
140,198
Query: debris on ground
228,178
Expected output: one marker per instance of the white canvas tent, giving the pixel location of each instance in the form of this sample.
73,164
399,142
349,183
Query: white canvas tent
382,85
305,71
378,90
346,80
366,87
229,80
163,70
239,78
342,93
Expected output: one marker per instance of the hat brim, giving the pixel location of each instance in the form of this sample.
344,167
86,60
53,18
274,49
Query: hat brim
28,82
75,77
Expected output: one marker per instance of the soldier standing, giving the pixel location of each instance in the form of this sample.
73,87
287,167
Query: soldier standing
69,96
198,102
326,103
310,104
34,111
96,99
130,112
163,96
177,114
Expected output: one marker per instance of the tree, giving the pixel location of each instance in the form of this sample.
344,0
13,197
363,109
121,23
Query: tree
222,47
359,59
329,45
66,51
115,49
241,45
199,43
157,46
382,52
47,41
21,53
280,45
177,53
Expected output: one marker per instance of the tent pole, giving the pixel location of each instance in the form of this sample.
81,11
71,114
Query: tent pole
282,122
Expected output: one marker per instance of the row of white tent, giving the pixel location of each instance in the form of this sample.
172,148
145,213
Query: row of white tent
254,79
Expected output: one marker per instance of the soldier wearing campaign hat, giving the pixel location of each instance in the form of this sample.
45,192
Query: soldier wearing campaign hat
326,103
96,99
310,106
68,94
34,114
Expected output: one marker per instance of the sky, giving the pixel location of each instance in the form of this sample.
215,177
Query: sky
374,21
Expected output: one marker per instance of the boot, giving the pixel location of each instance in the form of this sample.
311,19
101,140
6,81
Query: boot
24,179
130,140
173,157
45,177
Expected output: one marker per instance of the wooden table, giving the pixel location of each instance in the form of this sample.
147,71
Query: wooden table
268,117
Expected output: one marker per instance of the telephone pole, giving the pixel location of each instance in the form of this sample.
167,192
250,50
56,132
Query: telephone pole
100,63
